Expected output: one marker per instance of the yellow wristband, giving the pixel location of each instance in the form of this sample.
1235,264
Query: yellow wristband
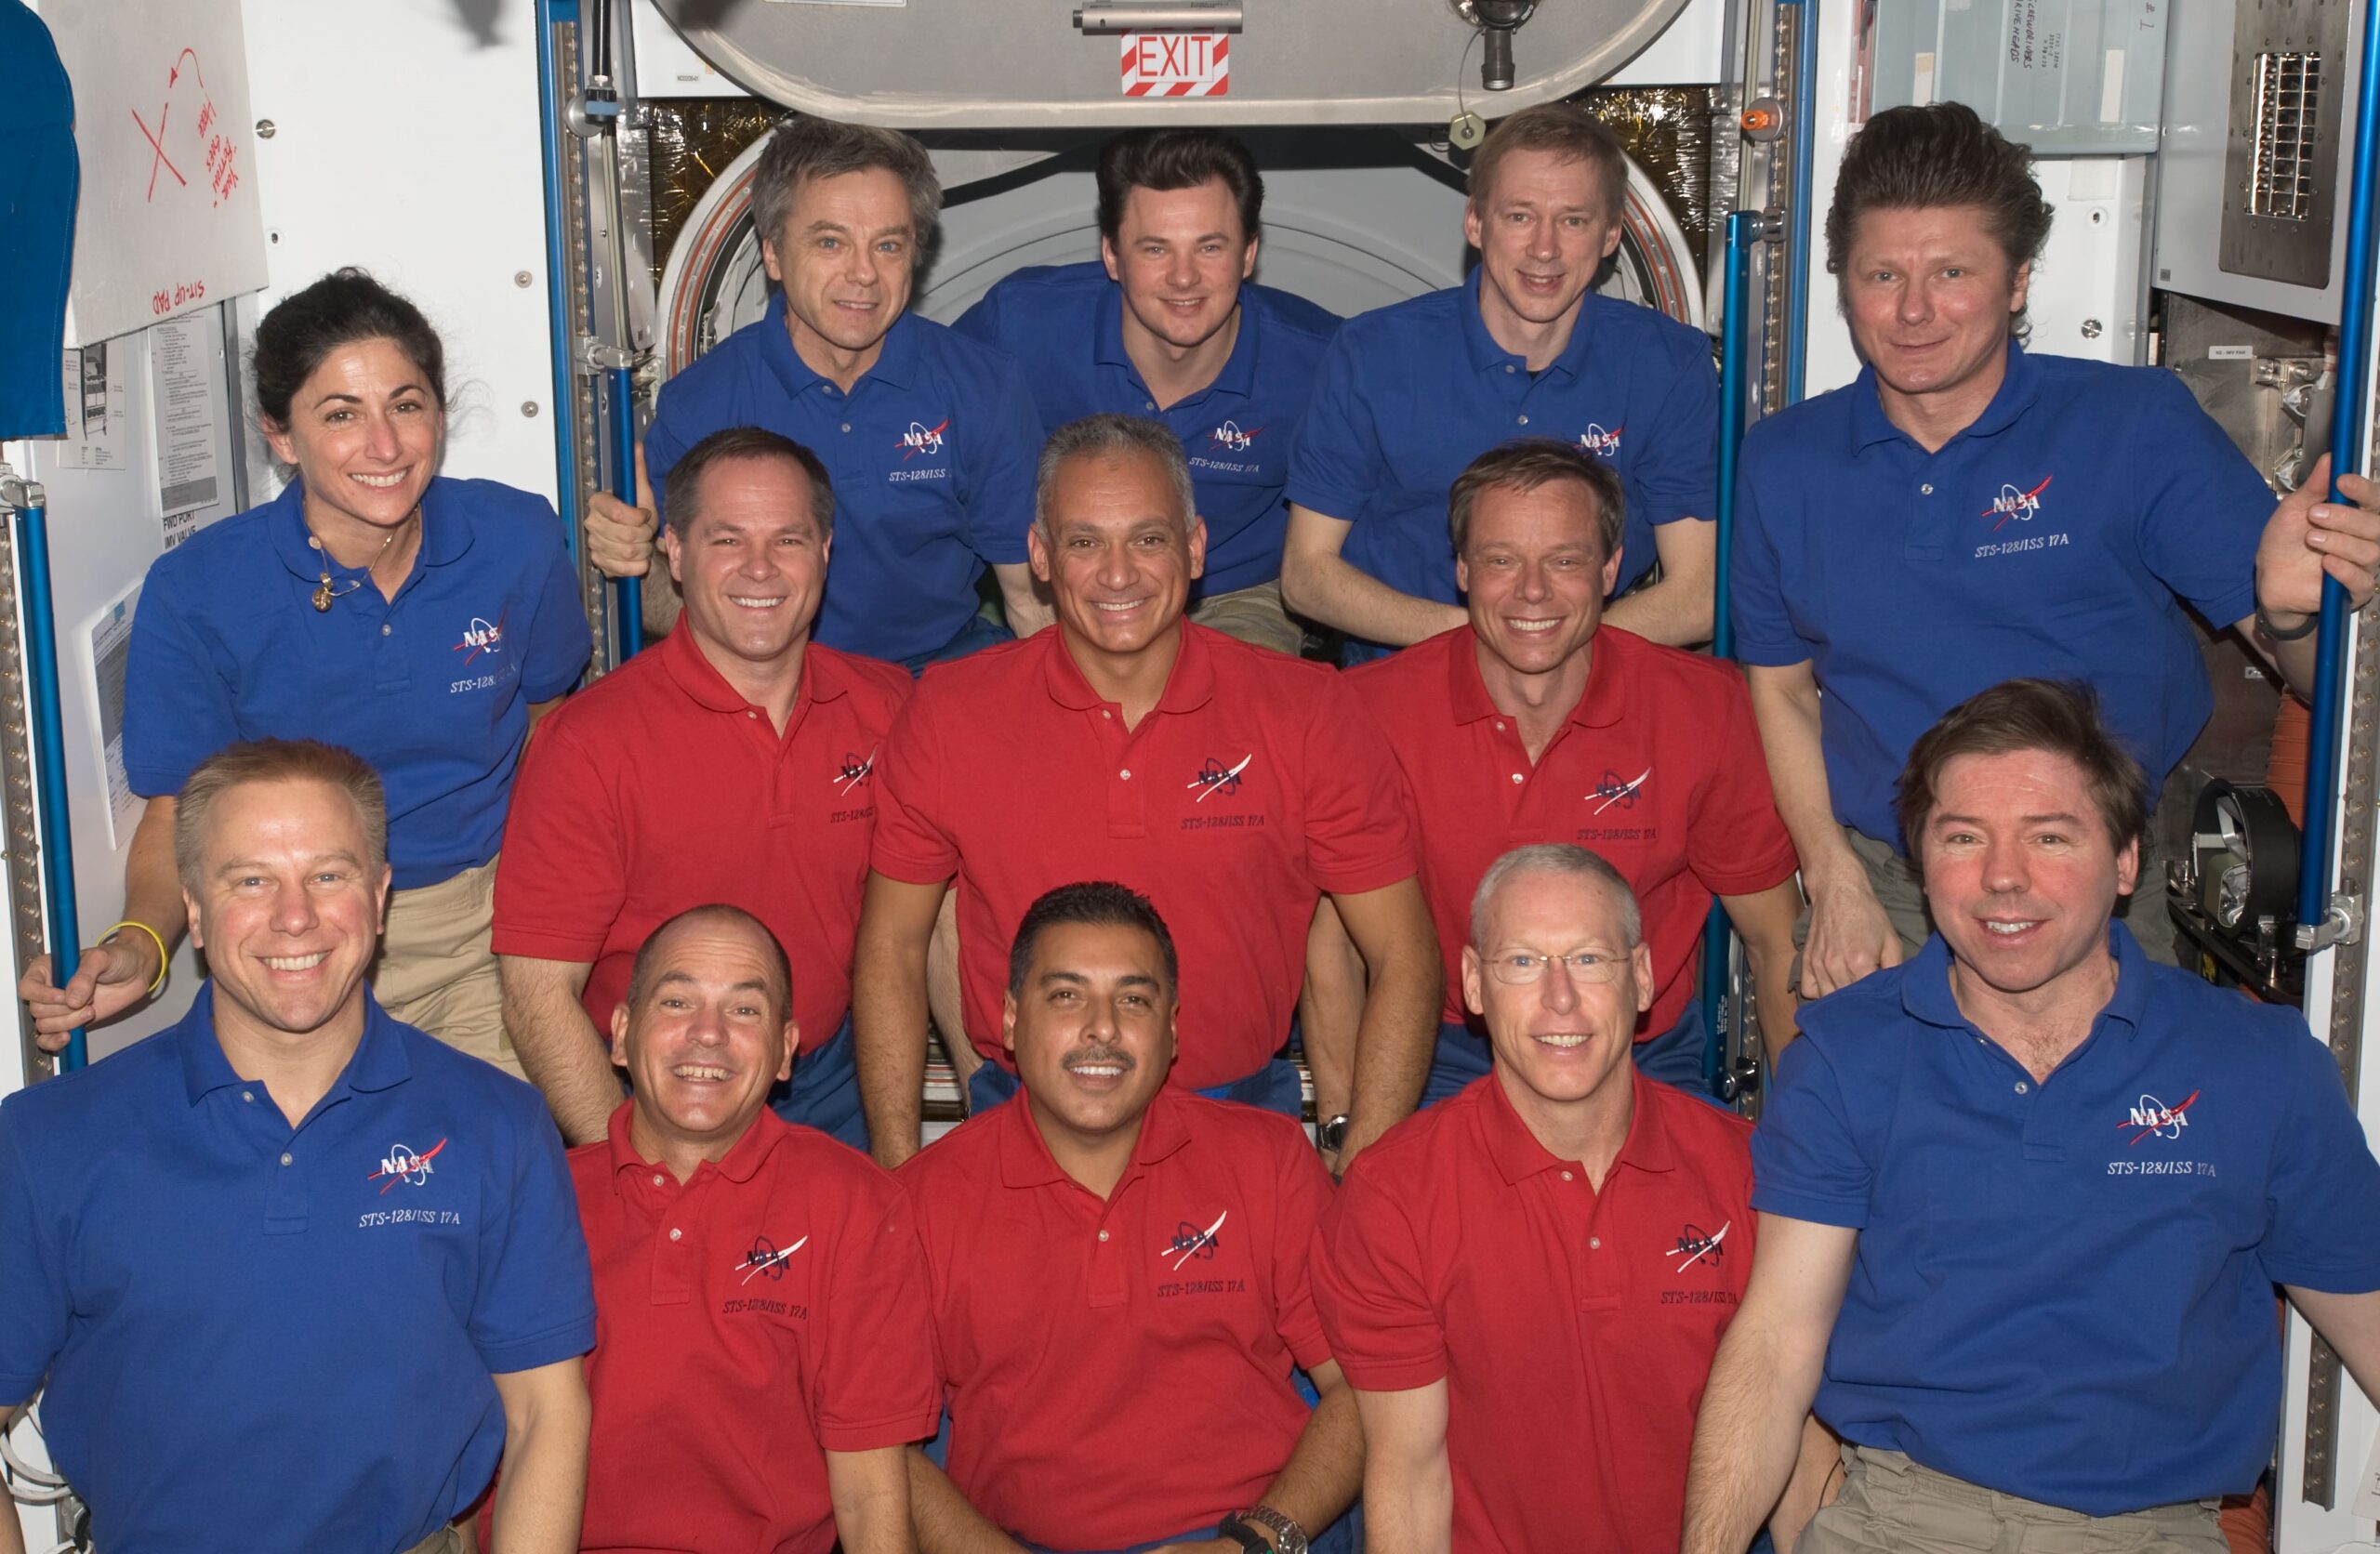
164,959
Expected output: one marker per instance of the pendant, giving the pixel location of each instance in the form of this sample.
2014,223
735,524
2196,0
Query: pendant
323,597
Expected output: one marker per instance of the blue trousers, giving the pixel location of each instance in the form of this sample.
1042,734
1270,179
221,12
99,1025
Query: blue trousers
824,1091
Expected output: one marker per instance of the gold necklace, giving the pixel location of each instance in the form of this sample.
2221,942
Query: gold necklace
324,592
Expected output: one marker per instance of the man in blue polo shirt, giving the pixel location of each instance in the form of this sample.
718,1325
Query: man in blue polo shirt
929,439
291,1276
2024,1199
1410,393
1167,325
1966,512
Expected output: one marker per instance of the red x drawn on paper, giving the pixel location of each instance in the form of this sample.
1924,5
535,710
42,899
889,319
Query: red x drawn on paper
156,143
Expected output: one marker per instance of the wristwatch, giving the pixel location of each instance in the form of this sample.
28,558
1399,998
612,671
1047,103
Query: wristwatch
1241,1527
1330,1136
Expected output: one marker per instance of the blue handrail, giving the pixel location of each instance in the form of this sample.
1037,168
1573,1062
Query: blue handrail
1735,408
628,591
49,759
2348,432
559,332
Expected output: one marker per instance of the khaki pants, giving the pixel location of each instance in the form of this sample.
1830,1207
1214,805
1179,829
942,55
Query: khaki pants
446,1540
1254,615
1889,1505
436,971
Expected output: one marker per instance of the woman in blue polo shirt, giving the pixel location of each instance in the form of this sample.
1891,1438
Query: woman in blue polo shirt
422,622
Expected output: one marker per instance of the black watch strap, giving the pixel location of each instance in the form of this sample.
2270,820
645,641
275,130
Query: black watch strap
1243,1534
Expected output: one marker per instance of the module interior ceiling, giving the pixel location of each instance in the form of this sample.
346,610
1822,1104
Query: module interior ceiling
964,64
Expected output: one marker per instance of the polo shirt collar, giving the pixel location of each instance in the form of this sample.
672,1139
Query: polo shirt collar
740,1163
1487,356
1188,687
1518,1155
895,364
377,1064
2020,384
1925,986
1025,1160
445,531
702,682
1600,705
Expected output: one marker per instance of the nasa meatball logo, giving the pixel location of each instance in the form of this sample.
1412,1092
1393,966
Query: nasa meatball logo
1601,443
2151,1118
764,1259
1228,435
403,1165
1611,790
1697,1248
1214,777
2021,506
1190,1241
479,636
922,439
853,772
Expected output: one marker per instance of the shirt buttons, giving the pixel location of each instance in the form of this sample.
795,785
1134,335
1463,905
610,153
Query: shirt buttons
1102,1235
657,1178
1594,1244
287,1160
1566,1175
2022,1087
675,1234
386,629
847,426
1500,728
1517,777
1126,774
1105,714
1523,420
1148,404
247,1095
1926,489
1508,366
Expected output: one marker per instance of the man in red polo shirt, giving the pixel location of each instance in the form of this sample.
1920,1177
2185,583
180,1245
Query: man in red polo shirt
762,1355
733,762
1232,785
1541,1266
1120,1279
1538,723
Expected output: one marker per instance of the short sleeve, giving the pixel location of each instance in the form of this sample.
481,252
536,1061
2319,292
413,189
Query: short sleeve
535,1301
32,1276
1736,842
1304,1195
1806,1164
562,876
1334,468
877,1384
910,843
560,642
1360,833
1373,1290
1765,633
2203,506
1677,476
665,441
982,321
1001,460
179,707
2324,1197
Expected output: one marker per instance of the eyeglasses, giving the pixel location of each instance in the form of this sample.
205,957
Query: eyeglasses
1522,967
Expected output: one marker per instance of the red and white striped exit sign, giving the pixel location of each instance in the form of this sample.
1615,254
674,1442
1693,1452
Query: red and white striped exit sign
1177,64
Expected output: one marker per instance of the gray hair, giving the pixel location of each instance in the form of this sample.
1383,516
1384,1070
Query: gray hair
802,149
1562,858
1112,436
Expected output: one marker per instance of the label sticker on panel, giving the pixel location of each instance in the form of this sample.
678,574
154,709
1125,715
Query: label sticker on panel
1177,64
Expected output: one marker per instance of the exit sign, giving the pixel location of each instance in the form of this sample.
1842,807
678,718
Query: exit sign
1177,64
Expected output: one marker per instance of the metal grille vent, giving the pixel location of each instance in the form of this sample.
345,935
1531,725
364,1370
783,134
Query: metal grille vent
2288,88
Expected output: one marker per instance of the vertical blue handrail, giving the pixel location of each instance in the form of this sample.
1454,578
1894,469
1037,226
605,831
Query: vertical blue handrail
629,591
49,759
559,332
1735,348
2348,430
1801,123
